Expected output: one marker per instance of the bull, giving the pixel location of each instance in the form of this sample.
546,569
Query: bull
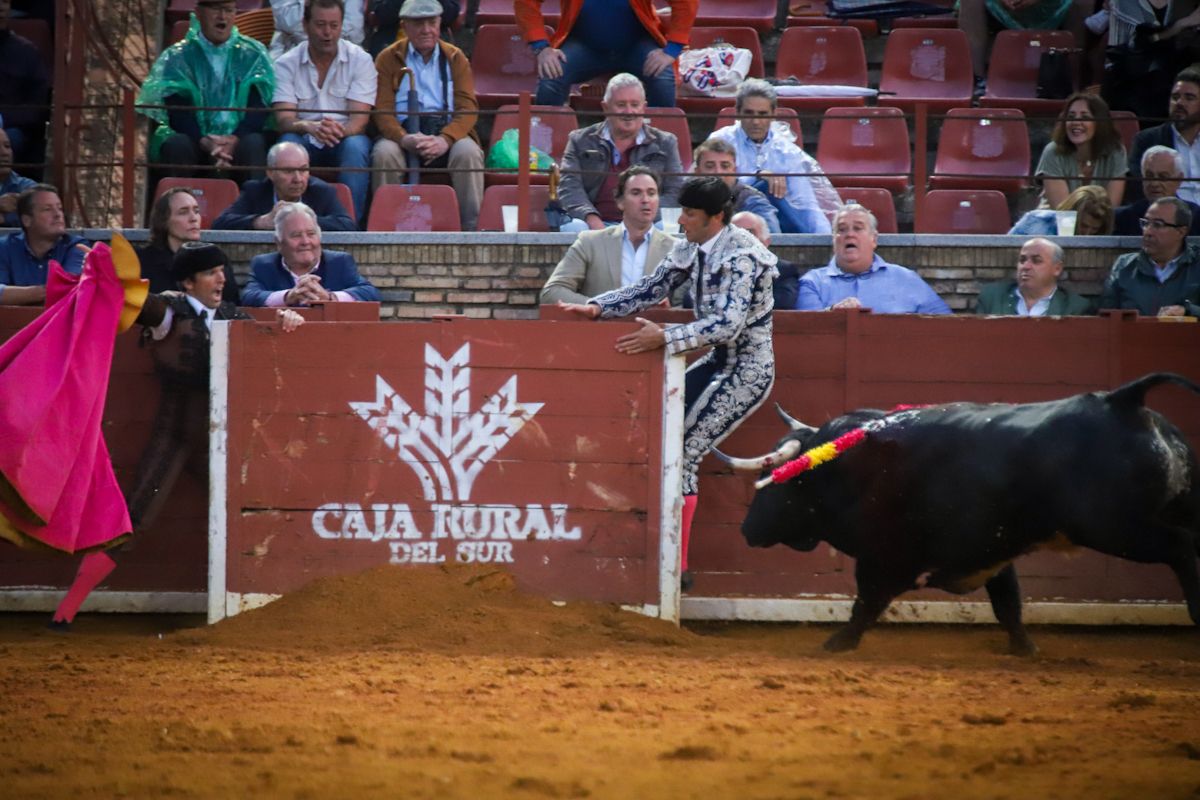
947,496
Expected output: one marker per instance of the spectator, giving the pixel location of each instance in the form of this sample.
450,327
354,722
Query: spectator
384,23
596,155
444,136
299,274
1085,148
25,256
787,283
1178,133
213,68
11,184
174,221
980,19
1093,215
291,24
1148,43
1162,176
324,91
24,81
1035,291
596,37
1163,279
287,181
858,278
603,260
770,161
719,157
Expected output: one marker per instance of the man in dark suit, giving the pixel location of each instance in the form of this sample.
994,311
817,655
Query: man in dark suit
1035,292
287,181
1162,173
786,288
1179,134
300,274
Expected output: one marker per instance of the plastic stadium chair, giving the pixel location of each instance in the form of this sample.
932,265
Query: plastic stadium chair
674,120
1013,70
550,126
822,56
258,24
745,38
806,13
865,147
345,198
423,207
964,211
757,14
178,31
182,9
500,12
926,65
503,65
213,194
878,201
1127,125
982,148
491,218
728,116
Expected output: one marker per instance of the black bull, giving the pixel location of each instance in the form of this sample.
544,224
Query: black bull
947,496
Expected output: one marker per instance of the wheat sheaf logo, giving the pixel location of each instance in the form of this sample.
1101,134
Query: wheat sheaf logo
448,445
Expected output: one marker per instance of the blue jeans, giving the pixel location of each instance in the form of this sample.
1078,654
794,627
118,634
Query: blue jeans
582,63
353,151
791,219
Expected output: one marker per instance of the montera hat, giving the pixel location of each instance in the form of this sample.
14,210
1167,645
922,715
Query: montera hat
420,9
709,194
195,257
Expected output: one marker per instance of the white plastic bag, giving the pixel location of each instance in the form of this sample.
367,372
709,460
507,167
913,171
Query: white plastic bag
716,70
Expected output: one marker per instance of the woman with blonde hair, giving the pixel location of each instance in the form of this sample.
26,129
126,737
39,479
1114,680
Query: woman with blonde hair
1093,215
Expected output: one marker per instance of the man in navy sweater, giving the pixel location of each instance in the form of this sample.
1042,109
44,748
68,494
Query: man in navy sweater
287,181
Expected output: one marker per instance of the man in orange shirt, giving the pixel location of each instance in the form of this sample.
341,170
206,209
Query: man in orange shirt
599,37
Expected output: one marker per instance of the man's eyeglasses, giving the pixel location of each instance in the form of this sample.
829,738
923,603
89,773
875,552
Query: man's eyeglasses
1157,224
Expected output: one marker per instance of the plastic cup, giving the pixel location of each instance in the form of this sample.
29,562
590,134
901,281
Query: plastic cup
1066,222
510,218
670,219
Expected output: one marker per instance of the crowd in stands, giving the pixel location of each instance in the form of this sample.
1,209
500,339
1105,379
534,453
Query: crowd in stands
403,109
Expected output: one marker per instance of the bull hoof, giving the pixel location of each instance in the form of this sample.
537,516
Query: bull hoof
58,626
1024,647
841,642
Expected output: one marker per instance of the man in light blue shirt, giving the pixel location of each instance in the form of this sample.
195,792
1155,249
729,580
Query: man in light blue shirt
857,278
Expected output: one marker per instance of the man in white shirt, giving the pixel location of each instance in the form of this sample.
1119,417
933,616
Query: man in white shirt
602,260
324,91
289,24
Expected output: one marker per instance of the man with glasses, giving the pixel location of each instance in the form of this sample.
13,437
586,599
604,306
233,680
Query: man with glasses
287,181
209,95
1163,279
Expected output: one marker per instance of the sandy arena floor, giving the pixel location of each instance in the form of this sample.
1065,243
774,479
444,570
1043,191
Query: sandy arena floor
452,685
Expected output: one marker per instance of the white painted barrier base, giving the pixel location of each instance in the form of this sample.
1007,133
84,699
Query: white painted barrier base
36,600
827,610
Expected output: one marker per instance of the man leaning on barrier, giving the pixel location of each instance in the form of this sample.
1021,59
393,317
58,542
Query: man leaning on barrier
443,135
1035,290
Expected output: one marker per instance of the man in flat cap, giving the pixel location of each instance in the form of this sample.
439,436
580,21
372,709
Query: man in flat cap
731,276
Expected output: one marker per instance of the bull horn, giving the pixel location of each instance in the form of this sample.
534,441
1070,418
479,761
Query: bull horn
786,452
792,422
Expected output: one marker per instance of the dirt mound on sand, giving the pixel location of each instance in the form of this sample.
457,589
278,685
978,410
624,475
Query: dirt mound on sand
447,609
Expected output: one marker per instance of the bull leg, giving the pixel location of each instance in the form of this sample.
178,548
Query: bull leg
1004,592
875,593
1159,543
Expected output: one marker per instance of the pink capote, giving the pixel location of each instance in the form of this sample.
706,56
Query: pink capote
53,380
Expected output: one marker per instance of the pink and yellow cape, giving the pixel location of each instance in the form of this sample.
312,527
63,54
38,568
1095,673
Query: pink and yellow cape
57,486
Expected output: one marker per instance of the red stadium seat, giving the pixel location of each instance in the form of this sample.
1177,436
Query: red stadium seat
878,201
822,56
424,207
757,14
345,198
37,31
806,13
728,116
549,129
500,12
1126,123
178,31
182,9
213,194
745,38
1013,70
865,147
503,65
940,21
964,211
494,197
982,148
926,65
674,120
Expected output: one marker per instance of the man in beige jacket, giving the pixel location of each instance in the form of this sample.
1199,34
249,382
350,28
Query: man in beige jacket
603,260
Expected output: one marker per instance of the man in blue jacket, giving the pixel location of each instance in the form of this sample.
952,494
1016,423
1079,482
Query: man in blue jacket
25,256
287,181
300,273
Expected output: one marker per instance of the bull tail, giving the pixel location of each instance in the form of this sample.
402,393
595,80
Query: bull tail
1133,394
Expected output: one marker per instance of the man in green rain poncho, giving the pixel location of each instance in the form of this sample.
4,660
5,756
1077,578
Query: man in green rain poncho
213,66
